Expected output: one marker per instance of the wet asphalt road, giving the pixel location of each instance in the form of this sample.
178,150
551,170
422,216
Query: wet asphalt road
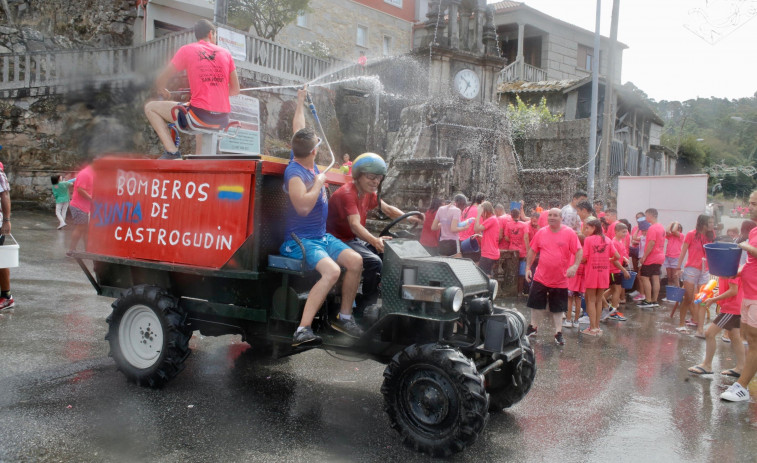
623,397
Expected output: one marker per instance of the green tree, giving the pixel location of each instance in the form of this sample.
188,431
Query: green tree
266,17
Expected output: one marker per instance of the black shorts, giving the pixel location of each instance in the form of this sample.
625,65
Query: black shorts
727,321
448,247
650,270
210,119
539,295
487,265
615,279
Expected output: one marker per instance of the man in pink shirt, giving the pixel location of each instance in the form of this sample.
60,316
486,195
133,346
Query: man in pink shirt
738,392
611,216
651,260
447,220
81,205
555,245
212,79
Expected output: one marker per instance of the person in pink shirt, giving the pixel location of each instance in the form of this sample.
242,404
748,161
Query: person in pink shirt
487,224
598,253
516,235
446,221
576,289
611,217
555,245
212,79
504,219
617,269
81,206
729,298
674,236
544,216
738,392
696,273
651,259
470,213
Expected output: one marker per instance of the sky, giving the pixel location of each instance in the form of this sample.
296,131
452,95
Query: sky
665,57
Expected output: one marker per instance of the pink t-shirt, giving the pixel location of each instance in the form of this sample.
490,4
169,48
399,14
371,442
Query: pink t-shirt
517,232
731,305
490,238
470,212
504,220
674,245
84,180
620,247
543,217
447,215
208,68
611,229
749,271
695,254
555,250
655,233
598,250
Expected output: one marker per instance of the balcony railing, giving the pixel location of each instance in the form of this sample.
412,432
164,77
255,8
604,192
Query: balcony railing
518,70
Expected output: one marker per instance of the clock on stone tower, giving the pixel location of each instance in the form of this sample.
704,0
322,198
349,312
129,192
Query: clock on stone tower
467,83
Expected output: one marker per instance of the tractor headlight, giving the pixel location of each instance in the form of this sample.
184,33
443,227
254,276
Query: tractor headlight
452,298
493,288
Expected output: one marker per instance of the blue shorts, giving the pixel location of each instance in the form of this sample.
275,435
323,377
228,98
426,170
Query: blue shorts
315,249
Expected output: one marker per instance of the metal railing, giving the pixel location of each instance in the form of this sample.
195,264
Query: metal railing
57,71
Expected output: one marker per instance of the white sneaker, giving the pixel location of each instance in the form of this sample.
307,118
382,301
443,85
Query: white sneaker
613,310
665,299
575,323
584,320
567,323
735,393
633,294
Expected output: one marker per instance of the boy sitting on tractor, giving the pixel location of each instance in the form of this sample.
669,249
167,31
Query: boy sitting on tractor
348,210
306,220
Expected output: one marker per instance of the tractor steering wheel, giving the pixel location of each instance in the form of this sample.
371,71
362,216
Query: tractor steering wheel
386,230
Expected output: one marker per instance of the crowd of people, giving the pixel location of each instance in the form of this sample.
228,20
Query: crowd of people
574,260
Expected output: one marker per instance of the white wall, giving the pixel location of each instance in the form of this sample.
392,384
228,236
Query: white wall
677,197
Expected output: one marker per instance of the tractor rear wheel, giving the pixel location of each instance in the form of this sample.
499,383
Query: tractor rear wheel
435,399
148,336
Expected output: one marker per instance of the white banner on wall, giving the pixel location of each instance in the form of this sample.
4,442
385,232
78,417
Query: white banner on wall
234,42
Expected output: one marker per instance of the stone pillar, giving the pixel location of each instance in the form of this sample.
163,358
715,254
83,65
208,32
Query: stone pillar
435,20
489,35
478,43
454,25
465,28
519,58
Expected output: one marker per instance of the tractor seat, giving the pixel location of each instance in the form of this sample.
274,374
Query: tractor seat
281,264
189,123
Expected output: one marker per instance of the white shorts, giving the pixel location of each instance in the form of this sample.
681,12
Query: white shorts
696,276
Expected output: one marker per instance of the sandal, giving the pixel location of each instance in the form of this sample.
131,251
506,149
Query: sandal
731,372
683,330
697,370
589,331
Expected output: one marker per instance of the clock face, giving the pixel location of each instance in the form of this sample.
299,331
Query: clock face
467,84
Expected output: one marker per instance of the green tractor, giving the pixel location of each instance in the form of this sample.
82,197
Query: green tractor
451,355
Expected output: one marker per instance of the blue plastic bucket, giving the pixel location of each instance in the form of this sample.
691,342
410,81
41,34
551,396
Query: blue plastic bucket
627,283
514,205
723,258
673,293
522,268
469,246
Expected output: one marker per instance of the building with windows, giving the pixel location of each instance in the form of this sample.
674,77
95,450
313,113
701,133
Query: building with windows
156,18
344,28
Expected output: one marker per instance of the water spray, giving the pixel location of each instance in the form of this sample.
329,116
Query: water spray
311,106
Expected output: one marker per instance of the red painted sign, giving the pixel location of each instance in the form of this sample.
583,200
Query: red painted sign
192,213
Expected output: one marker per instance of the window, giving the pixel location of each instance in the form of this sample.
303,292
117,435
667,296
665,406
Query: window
397,3
387,45
302,19
362,36
586,57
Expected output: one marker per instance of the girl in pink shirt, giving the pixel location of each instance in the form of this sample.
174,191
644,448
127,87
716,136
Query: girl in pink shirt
728,319
695,271
487,224
576,288
598,253
618,267
672,252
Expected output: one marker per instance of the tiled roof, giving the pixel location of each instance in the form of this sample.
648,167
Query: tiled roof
543,86
498,6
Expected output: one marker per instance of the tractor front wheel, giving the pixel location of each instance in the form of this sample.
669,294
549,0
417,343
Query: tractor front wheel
435,399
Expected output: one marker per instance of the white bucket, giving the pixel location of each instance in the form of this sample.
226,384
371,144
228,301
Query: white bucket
9,253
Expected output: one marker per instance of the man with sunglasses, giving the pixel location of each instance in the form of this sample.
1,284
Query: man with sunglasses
306,221
348,210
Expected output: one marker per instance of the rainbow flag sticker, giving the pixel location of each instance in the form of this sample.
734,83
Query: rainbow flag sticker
230,192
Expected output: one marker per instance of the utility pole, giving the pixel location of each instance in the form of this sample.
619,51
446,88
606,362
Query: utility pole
608,121
594,98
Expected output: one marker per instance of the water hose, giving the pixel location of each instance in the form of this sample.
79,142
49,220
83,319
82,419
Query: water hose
323,133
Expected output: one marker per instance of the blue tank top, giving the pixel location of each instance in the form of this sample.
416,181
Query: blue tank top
313,225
